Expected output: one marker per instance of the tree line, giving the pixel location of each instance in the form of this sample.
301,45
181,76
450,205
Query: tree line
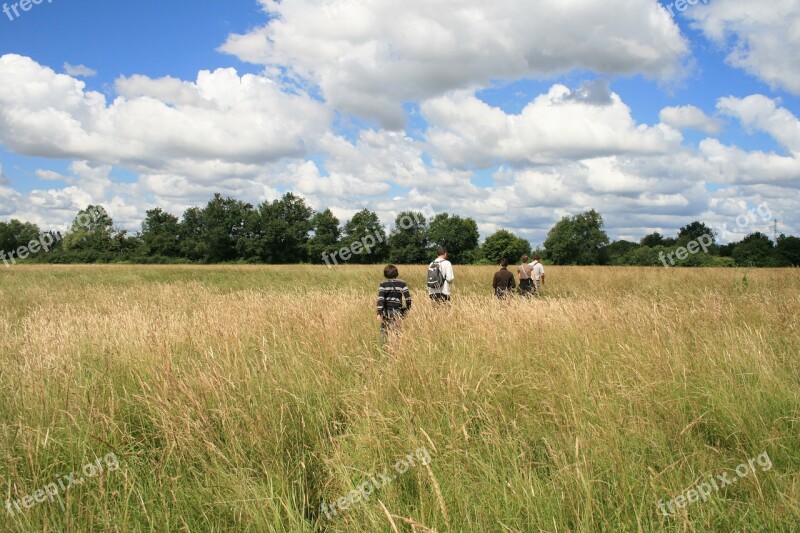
288,231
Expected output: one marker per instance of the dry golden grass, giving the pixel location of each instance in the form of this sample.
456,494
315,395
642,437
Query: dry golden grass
241,398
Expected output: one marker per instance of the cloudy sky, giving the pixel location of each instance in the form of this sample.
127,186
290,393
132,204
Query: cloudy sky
515,113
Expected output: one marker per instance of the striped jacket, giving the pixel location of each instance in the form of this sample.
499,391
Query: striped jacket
391,293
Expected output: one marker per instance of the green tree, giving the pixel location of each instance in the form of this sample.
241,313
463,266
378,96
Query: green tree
642,256
577,240
726,250
504,244
408,241
789,249
326,235
652,240
191,243
223,226
365,228
211,234
616,251
160,233
91,237
14,234
459,235
694,230
277,232
127,247
755,250
93,219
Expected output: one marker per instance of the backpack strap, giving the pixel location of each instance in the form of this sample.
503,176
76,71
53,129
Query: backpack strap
441,272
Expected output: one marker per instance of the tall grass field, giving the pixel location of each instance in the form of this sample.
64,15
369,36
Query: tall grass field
254,398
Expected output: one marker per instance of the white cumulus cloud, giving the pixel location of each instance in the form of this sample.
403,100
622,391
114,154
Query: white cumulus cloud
761,38
79,71
220,117
739,166
690,117
555,126
50,175
368,57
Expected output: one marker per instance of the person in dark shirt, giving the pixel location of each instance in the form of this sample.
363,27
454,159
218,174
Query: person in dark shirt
503,282
390,300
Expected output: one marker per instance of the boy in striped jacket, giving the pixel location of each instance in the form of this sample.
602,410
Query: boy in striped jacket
390,299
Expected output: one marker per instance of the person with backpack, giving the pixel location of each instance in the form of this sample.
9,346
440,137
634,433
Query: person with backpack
440,276
525,277
390,300
503,282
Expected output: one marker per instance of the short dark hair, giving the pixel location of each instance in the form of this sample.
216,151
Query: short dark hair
525,258
504,262
537,257
390,272
441,250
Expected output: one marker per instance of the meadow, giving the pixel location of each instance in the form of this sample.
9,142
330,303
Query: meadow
244,398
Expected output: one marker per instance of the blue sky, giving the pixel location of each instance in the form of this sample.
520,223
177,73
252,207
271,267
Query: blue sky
148,37
514,113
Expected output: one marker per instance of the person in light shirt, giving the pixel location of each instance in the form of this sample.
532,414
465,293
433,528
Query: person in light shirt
442,294
537,273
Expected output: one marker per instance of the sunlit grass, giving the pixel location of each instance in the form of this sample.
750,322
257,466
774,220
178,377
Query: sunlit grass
241,398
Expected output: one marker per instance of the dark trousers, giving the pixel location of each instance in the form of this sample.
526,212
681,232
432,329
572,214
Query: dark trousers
503,293
439,297
526,287
391,320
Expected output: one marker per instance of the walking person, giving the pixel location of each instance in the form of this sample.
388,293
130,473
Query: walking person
525,270
503,282
538,273
440,276
390,300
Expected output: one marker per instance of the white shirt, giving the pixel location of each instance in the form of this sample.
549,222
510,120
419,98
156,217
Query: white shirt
538,271
447,271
